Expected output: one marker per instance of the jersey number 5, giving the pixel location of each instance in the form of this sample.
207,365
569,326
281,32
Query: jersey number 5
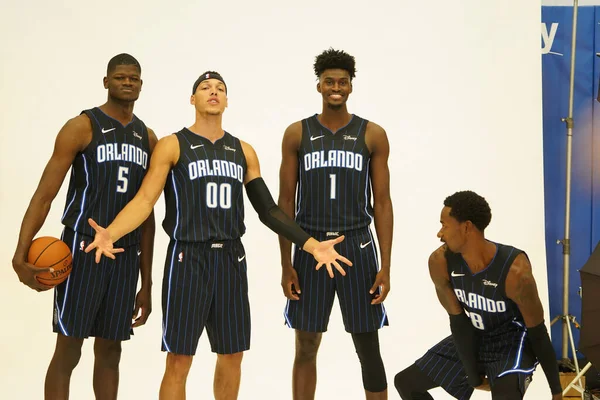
122,180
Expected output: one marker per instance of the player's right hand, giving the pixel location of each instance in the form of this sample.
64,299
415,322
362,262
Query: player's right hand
102,243
290,283
27,275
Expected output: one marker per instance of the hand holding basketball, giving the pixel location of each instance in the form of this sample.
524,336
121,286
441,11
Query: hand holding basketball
326,256
102,243
27,275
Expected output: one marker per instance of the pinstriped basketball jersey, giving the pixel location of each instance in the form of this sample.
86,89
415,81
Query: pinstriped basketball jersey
482,295
334,189
204,193
107,174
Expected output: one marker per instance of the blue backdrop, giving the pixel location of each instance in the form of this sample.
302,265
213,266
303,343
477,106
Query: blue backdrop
585,212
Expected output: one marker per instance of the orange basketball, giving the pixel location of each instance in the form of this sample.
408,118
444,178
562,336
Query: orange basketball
47,251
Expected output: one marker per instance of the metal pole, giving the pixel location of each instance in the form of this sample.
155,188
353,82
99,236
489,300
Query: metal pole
566,242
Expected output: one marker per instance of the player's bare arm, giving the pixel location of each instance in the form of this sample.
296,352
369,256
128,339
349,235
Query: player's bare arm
73,138
438,271
164,157
463,331
273,217
522,289
143,300
288,181
378,144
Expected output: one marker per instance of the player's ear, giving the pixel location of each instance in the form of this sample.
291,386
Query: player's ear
141,84
319,87
193,100
105,82
350,88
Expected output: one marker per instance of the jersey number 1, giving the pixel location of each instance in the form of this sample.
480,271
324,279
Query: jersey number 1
332,190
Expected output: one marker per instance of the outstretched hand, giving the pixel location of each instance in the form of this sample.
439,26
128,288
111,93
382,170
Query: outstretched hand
326,256
102,243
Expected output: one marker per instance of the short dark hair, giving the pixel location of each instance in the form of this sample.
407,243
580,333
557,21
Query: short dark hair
122,59
335,59
469,206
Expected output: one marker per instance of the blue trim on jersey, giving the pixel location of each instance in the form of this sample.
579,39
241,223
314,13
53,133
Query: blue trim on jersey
517,367
72,200
177,204
133,117
367,188
491,262
166,321
87,184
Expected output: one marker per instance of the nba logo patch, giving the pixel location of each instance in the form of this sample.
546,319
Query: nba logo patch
207,75
82,245
181,256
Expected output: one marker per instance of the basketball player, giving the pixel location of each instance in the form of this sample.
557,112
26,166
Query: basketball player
335,159
205,284
108,150
496,317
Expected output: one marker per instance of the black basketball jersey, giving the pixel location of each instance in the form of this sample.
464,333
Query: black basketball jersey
482,295
204,193
107,174
334,188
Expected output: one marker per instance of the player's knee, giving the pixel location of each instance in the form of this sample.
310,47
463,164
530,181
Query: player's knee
409,385
307,346
178,364
507,388
373,371
68,351
231,360
107,352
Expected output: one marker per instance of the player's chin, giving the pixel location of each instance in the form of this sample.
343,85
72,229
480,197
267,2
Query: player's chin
127,97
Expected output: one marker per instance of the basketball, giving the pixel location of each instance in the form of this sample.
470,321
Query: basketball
47,251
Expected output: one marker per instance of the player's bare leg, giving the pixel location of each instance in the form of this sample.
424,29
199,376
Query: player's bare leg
304,380
228,373
66,357
376,396
106,368
175,378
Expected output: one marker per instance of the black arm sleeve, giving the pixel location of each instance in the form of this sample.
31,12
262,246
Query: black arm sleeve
543,350
271,215
466,340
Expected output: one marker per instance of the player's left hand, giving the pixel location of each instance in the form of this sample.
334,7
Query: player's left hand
102,243
143,301
326,256
382,280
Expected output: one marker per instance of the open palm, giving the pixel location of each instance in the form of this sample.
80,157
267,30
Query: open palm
327,256
102,243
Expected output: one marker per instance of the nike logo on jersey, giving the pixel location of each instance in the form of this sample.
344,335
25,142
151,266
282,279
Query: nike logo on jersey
316,137
108,130
196,146
489,283
455,274
241,258
139,252
137,135
362,246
